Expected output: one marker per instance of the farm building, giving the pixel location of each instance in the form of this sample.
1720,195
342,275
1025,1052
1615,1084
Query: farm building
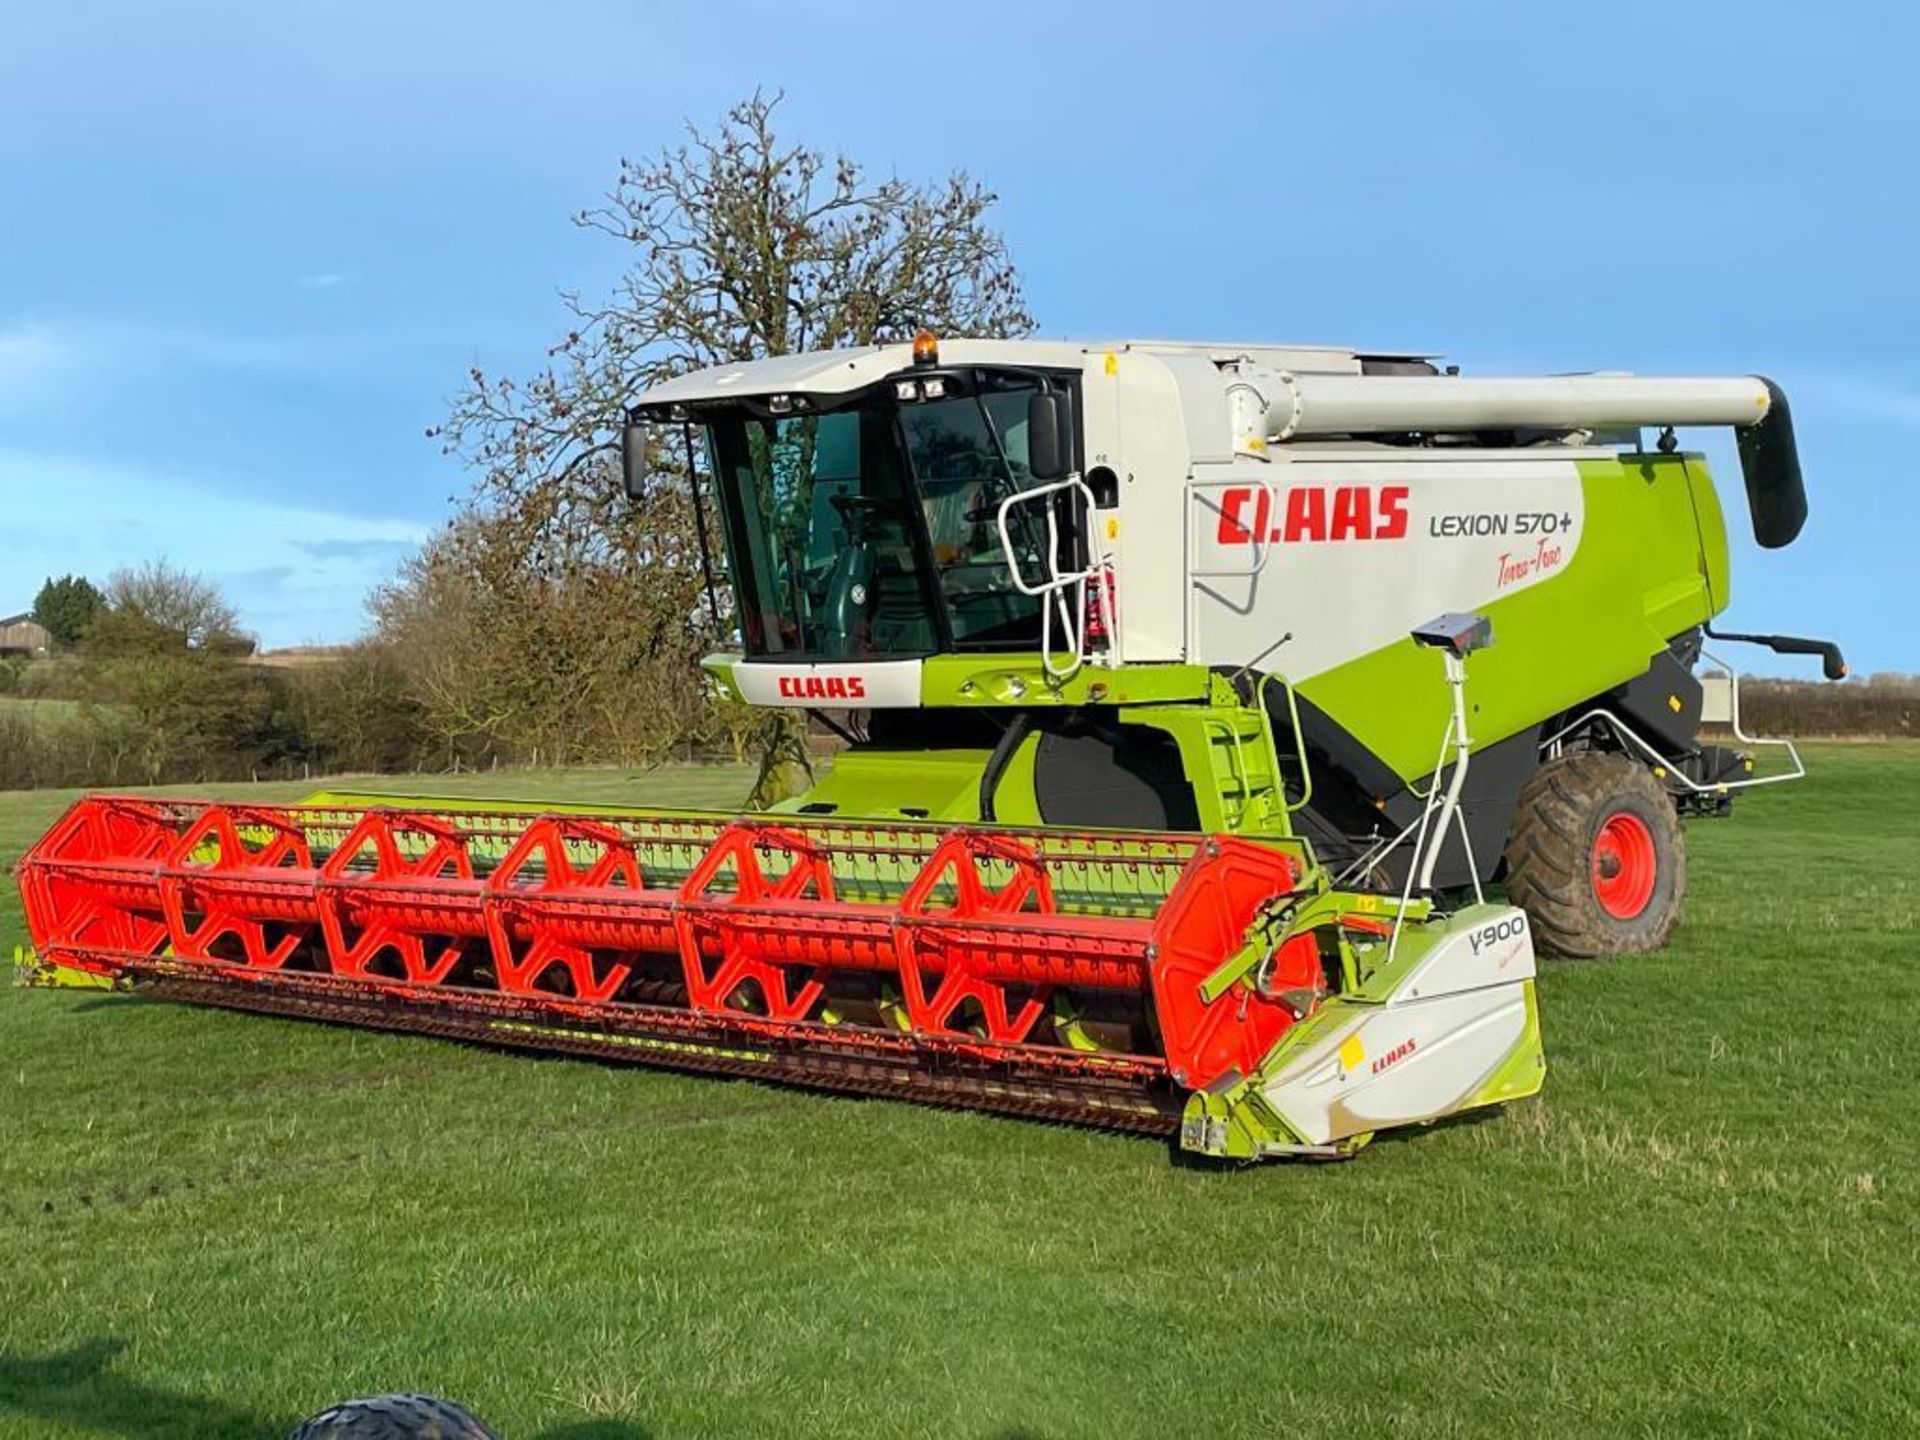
19,635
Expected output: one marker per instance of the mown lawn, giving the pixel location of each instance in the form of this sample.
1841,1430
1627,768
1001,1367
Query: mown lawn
214,1224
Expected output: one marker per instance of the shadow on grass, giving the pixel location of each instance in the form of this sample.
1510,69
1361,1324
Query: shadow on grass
112,1002
74,1387
1459,1120
1182,1159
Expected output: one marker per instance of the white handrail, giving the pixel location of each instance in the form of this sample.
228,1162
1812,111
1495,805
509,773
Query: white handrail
1020,497
1051,591
1716,787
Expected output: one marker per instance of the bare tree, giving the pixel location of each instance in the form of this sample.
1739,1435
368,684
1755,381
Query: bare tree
158,606
744,244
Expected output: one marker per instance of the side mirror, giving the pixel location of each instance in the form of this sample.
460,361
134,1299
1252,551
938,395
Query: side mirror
1049,435
633,461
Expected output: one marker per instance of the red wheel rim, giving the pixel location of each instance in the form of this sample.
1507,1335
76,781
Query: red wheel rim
1625,865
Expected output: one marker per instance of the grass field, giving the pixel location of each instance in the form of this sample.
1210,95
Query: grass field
1707,1225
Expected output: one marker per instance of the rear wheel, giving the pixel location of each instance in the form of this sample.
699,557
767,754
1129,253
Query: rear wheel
1596,857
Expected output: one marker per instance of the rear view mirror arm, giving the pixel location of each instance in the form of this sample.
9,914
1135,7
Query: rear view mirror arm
1833,664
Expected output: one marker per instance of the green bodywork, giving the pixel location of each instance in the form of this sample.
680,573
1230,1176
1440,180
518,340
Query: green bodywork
1226,749
1651,564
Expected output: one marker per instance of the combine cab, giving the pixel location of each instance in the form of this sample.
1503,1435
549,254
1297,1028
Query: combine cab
1141,823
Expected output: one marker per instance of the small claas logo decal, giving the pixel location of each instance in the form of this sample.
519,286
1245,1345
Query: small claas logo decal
1394,1056
823,687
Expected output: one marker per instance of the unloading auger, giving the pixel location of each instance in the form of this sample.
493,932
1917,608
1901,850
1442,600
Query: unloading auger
1139,823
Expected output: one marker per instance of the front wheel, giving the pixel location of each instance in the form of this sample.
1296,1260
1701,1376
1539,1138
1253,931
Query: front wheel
1596,857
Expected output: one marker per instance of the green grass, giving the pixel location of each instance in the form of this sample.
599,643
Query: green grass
1707,1225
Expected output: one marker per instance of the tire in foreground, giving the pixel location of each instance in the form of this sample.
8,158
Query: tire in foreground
395,1417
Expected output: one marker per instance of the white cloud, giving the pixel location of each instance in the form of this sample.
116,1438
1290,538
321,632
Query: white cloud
38,366
25,350
319,280
64,364
1864,397
297,573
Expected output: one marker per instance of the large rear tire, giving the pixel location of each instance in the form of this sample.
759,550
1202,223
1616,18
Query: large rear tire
394,1417
1596,857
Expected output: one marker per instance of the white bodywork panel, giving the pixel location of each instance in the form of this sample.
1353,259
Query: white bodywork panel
841,372
830,685
1429,1048
1350,554
1150,457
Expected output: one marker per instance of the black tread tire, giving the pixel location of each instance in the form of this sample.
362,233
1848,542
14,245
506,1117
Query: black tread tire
1550,854
394,1417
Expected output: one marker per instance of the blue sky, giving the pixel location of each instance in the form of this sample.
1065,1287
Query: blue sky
247,251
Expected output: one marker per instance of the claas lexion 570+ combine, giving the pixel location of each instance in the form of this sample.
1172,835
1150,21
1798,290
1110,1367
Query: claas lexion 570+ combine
1196,698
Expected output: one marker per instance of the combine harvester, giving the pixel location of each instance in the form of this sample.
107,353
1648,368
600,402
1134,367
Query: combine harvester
1144,653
